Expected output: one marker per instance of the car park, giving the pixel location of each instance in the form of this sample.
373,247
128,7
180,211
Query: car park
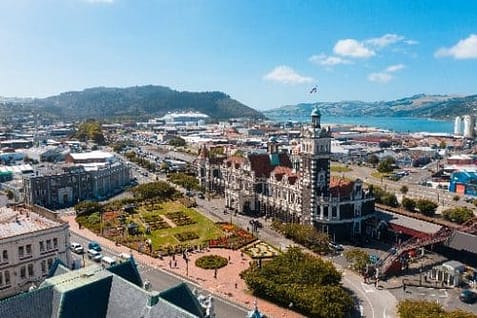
94,246
76,248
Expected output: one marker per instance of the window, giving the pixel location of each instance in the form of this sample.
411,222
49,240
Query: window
21,251
50,262
48,245
28,249
7,278
5,256
43,266
55,243
30,270
1,278
23,272
42,246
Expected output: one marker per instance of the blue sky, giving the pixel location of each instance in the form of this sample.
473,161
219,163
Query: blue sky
263,53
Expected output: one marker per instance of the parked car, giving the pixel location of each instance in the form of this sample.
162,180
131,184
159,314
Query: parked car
94,246
467,296
335,246
94,255
76,248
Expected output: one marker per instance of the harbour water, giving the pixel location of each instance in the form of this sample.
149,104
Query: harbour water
397,124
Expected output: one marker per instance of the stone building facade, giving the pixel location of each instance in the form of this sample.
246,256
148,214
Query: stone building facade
31,239
72,184
295,187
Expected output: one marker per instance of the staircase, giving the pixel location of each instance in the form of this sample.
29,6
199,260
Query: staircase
392,260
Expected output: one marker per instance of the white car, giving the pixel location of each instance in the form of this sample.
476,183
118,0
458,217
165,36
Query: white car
94,255
76,248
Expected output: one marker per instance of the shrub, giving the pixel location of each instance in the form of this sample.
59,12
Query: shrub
458,215
456,198
408,204
426,207
186,236
211,262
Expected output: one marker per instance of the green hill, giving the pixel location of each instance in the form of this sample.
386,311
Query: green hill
140,102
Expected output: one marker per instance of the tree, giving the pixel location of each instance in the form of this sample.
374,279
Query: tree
177,142
373,160
386,165
390,200
358,259
458,215
456,198
404,189
10,195
408,204
423,308
310,283
426,207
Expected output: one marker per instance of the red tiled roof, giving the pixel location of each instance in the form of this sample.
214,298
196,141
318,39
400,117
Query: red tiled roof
340,186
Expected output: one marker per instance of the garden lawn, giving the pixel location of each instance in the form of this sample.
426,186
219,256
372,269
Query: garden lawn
203,227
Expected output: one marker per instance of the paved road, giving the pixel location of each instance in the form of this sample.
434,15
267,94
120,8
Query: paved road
161,280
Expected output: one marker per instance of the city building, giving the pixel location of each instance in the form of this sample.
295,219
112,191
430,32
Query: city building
31,238
65,186
97,292
294,187
469,126
458,126
184,118
464,182
89,157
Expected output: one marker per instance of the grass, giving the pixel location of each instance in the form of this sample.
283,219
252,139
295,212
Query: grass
379,175
338,168
204,228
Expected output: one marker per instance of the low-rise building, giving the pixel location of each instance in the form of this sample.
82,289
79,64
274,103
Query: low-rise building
31,238
59,188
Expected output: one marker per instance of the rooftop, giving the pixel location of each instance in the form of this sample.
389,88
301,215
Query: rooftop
20,220
91,155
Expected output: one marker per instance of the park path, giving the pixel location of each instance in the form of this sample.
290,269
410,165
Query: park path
227,284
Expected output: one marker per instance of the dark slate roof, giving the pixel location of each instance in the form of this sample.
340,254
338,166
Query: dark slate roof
57,268
463,242
128,271
182,296
34,304
89,300
263,164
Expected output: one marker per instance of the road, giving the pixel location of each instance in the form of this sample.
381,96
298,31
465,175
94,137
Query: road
161,280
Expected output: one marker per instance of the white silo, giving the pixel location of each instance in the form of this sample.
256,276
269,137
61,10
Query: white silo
469,125
458,126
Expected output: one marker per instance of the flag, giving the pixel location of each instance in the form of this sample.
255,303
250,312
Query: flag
314,90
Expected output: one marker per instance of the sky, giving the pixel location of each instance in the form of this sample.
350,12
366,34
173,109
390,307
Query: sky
265,53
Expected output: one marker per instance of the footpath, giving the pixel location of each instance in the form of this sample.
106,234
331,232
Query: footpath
227,283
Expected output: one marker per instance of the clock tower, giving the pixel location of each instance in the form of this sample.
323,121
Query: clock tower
315,155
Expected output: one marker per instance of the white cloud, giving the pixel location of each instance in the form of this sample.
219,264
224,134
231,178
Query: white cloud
352,48
394,68
380,77
323,59
411,42
384,40
464,49
286,75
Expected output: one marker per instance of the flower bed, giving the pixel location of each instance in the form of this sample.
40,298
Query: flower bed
235,237
211,262
261,250
186,236
180,218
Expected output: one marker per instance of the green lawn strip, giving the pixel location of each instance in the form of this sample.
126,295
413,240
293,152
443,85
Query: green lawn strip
338,168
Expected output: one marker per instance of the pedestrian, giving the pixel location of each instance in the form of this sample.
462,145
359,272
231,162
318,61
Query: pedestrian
376,282
175,264
241,254
215,273
236,285
170,263
229,258
404,287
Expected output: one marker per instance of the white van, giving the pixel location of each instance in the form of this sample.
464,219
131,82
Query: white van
107,261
